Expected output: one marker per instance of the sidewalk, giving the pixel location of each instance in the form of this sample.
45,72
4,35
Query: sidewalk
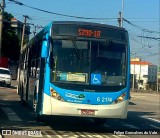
14,85
14,82
144,91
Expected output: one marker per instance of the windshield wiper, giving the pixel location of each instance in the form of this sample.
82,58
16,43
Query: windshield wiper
76,49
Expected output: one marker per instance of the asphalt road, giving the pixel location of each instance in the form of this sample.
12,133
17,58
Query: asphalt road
143,117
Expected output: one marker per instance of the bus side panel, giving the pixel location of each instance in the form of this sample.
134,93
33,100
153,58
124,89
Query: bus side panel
23,76
128,72
31,88
40,86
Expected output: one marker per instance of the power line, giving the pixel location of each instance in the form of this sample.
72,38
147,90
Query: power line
59,14
144,44
139,27
149,37
80,17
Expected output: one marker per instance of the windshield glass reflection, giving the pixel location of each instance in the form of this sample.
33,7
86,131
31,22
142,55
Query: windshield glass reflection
84,61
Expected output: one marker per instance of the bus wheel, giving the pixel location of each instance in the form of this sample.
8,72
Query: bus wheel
35,100
23,103
99,121
39,118
34,105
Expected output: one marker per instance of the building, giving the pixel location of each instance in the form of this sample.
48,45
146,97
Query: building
18,26
158,80
145,74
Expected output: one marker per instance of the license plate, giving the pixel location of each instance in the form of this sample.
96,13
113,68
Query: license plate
87,112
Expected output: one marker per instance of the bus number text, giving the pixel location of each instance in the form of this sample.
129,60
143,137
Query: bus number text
104,99
89,33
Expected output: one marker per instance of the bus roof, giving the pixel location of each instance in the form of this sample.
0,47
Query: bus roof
49,26
87,24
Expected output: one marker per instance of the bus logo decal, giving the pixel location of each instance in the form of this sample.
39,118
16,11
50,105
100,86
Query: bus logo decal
74,96
96,79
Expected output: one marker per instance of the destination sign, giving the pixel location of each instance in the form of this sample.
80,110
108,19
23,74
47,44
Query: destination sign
89,31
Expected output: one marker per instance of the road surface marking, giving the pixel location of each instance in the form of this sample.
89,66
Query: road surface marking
89,135
79,134
56,134
94,135
139,97
45,133
115,136
105,136
130,126
10,114
63,134
5,99
155,126
154,120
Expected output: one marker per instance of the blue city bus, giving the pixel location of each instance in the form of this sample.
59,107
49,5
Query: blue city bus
80,69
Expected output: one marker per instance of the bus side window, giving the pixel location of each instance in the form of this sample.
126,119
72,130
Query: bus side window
34,72
37,68
37,73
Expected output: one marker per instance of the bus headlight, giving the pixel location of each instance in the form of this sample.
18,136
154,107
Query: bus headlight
120,98
55,95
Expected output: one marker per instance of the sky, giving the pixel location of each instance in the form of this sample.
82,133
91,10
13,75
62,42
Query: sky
143,17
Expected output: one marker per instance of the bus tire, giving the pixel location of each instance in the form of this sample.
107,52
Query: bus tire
99,121
34,101
39,118
34,105
23,102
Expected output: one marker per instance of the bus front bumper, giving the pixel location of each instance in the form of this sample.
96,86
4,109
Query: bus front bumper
52,106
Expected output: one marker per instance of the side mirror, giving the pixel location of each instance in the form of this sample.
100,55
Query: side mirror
45,49
45,46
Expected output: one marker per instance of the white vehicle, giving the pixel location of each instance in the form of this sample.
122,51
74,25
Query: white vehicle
5,76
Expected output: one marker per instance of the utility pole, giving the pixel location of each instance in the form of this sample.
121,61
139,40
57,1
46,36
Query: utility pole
139,76
122,14
158,68
133,77
1,24
24,28
35,29
120,19
158,71
157,78
139,83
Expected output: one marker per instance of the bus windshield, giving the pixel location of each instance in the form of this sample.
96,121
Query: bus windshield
89,62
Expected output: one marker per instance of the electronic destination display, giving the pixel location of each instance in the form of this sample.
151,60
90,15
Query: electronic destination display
88,31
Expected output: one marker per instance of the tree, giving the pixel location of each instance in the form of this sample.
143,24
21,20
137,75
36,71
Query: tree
10,41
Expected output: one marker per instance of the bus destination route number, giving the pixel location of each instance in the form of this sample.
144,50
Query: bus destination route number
89,33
